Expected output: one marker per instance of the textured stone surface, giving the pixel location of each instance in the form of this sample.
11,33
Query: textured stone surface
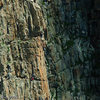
48,50
22,55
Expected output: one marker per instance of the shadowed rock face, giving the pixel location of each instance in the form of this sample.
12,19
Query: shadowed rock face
49,49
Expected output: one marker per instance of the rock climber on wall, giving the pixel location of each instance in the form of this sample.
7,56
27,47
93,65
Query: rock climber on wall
1,4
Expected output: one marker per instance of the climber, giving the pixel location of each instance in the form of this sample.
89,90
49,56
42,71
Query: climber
1,4
32,78
44,45
42,35
45,33
9,68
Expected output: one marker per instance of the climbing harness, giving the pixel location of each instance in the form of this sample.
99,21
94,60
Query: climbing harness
32,78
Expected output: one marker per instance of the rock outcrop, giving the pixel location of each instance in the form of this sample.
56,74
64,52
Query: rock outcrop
49,50
21,51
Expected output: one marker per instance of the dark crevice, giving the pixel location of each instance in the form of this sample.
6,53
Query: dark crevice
1,86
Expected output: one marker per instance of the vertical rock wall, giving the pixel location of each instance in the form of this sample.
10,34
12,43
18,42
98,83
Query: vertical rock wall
70,51
22,63
47,50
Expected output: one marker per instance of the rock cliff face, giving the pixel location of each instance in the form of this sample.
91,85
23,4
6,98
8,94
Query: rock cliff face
49,50
21,51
